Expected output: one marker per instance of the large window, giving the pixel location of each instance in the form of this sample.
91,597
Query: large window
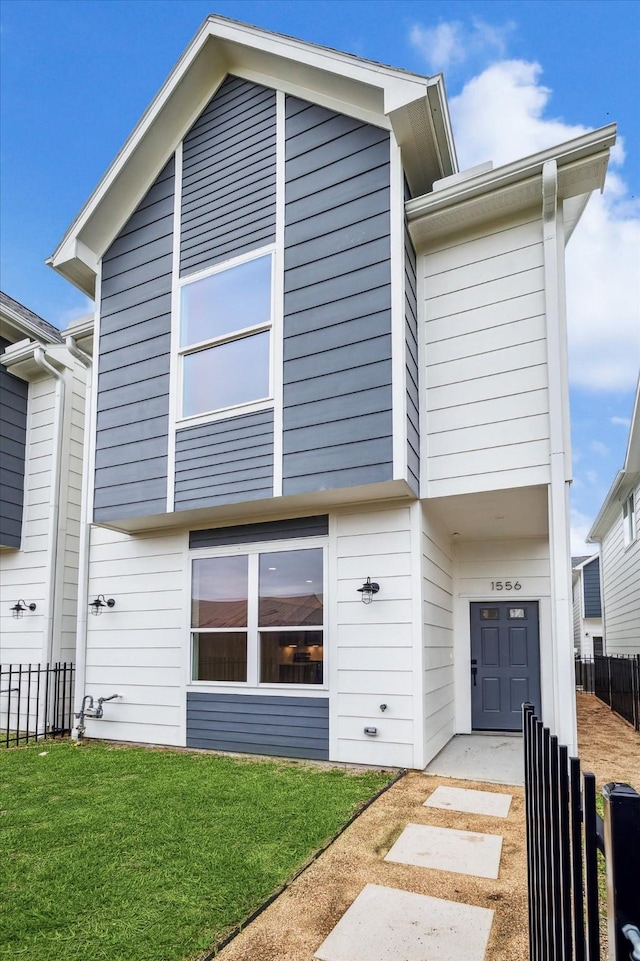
225,324
259,617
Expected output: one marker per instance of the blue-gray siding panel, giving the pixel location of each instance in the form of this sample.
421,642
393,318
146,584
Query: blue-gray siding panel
411,363
591,581
226,461
262,724
133,366
13,433
262,531
229,176
337,308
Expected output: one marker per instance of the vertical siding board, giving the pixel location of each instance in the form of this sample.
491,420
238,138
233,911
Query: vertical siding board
337,273
13,433
230,150
133,381
261,724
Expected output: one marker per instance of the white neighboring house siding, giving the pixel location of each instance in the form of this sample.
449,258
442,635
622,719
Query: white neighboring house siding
70,498
477,564
486,359
139,649
621,586
24,571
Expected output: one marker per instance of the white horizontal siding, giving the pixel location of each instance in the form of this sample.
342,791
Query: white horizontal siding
485,346
23,573
374,650
621,587
437,620
138,649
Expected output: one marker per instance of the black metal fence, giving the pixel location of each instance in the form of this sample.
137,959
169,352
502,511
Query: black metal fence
615,679
564,834
36,702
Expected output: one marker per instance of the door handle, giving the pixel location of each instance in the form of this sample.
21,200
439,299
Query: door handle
474,671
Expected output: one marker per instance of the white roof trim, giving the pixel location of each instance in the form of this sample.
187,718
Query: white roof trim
363,88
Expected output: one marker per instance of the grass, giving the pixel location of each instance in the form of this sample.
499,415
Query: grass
130,854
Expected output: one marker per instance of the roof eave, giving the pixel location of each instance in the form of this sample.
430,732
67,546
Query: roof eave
374,92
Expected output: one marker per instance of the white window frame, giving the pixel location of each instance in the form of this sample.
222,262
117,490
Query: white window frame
629,519
269,326
253,552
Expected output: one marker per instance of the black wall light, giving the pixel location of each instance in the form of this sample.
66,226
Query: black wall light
100,603
18,609
368,589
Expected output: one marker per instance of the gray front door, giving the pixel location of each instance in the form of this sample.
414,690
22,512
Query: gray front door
505,663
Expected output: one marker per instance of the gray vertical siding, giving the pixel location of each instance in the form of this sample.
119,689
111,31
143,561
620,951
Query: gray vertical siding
411,361
225,462
337,306
261,724
13,433
133,366
229,176
591,581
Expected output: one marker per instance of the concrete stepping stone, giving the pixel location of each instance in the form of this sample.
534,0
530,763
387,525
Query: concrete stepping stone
386,924
459,852
471,802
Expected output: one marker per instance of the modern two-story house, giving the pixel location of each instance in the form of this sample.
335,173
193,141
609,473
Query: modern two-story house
328,459
42,407
617,530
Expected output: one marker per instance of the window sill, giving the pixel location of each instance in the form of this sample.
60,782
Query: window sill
245,688
224,413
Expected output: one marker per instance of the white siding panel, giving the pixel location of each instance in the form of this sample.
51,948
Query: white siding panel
374,659
437,621
621,587
138,648
485,347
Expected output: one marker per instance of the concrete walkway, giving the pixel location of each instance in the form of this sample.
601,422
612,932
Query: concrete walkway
491,758
389,924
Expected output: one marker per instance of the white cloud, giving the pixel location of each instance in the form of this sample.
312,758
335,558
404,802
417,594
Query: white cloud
599,448
453,42
622,421
501,115
580,527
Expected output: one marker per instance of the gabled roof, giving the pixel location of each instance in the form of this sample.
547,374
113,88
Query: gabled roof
17,322
413,106
625,480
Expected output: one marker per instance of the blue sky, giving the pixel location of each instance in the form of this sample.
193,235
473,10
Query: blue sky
520,76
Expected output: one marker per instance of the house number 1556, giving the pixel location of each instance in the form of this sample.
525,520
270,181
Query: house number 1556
505,585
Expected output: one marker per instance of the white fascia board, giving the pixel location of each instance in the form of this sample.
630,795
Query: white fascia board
12,324
593,147
632,456
607,511
586,562
220,46
625,480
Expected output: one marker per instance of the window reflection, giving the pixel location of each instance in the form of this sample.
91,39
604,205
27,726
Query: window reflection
290,589
219,592
291,657
226,301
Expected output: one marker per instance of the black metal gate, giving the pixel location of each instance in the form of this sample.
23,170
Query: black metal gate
36,702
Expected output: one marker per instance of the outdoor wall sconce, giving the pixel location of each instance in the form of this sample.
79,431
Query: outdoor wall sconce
368,589
100,603
18,609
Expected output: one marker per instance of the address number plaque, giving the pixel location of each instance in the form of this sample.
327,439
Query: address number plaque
506,585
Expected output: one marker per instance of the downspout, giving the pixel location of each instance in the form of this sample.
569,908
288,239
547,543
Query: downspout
564,709
39,355
84,537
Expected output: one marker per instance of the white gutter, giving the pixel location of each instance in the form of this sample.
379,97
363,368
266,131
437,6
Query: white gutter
39,355
85,534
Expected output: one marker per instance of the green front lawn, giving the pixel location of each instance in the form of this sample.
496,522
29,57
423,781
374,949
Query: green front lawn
132,854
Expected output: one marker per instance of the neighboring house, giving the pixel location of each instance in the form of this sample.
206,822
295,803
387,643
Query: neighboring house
42,398
326,362
617,530
587,606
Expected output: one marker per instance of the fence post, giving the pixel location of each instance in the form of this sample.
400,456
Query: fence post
622,847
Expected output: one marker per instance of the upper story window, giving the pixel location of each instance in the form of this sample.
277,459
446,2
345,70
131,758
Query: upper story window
225,334
629,519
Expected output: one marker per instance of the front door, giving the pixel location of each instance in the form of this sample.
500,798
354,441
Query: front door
505,663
